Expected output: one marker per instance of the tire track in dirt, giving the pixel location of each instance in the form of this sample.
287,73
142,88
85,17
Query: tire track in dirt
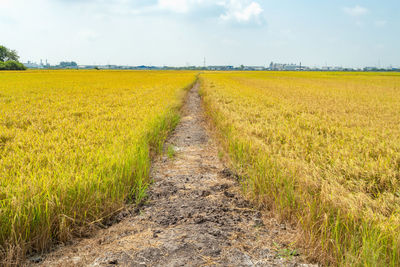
195,215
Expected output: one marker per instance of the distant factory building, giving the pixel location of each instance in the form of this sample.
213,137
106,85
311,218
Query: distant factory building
290,67
32,65
254,68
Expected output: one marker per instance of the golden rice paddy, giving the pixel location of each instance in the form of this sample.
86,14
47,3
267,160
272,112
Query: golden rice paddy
75,146
320,148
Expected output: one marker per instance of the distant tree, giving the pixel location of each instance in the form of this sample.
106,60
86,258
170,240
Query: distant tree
14,65
7,54
9,59
68,64
3,53
12,55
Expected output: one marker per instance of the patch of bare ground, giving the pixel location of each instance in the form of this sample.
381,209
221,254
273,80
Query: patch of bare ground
195,215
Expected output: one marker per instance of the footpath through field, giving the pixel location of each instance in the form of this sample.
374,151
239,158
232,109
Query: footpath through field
195,215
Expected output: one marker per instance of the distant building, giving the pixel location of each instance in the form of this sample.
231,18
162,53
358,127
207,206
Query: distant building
254,68
32,65
370,69
288,67
219,67
291,67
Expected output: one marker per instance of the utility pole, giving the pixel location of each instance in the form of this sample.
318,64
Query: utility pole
204,62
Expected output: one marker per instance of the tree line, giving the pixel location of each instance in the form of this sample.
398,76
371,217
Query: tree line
9,59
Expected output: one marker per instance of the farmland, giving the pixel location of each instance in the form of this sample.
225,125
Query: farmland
322,149
75,146
318,149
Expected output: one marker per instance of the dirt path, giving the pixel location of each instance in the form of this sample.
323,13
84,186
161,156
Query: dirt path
195,215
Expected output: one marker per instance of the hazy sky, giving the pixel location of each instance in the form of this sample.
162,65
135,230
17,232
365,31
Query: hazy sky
181,32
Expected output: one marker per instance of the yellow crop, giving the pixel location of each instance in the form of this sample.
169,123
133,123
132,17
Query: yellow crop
74,145
322,149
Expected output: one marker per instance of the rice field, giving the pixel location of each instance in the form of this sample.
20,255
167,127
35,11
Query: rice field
321,149
75,146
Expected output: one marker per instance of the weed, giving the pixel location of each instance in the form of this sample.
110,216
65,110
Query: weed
171,151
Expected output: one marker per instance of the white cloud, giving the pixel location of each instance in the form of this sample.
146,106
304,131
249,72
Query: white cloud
239,11
178,6
356,11
242,11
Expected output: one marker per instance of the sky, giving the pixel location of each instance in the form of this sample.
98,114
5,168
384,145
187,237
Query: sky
183,32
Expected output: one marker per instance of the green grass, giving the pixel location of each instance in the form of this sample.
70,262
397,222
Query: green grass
171,151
